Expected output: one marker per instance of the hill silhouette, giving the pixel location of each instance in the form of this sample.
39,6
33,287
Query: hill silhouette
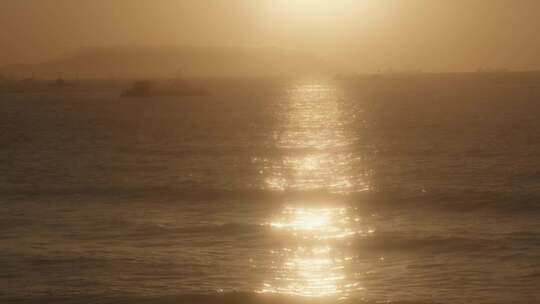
135,62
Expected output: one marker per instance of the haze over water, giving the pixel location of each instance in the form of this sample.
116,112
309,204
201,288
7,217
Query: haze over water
356,35
416,189
269,151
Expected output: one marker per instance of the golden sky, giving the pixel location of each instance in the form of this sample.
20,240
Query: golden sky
367,35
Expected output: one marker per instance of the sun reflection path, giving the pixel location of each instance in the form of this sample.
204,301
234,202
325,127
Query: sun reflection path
315,137
316,156
315,223
316,265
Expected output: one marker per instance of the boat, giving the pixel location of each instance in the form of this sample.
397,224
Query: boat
147,88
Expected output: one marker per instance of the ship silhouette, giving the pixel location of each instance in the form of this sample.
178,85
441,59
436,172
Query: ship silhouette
176,87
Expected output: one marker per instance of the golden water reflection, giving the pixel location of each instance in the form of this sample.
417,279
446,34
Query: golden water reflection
315,265
314,134
315,144
315,223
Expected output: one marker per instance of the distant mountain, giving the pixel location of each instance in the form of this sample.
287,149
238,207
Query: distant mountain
137,62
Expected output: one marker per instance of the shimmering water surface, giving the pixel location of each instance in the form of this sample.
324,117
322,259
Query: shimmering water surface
420,189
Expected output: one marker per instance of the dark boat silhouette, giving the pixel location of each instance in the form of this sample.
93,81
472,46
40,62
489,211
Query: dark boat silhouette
147,88
62,83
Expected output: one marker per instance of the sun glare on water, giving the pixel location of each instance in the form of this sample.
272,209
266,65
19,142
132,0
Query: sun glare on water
314,258
313,267
314,223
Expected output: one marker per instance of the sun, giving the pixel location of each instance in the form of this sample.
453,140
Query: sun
304,8
315,15
307,5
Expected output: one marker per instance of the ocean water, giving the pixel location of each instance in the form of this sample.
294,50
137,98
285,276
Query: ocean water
420,189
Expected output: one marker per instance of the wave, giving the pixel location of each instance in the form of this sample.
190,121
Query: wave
392,242
218,298
503,201
263,236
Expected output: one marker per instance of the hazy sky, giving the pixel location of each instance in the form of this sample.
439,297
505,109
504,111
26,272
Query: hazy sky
364,34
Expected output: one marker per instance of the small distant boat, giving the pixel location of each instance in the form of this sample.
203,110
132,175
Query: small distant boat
149,89
61,83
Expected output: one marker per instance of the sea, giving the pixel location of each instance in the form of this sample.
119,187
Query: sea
376,189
